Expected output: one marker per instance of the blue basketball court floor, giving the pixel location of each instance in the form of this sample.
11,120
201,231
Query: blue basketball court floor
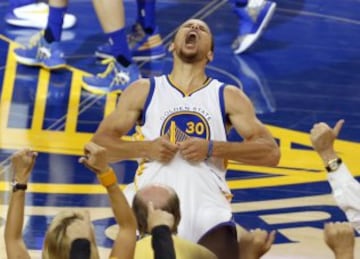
304,69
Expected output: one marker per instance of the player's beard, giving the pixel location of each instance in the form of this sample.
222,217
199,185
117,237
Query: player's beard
189,56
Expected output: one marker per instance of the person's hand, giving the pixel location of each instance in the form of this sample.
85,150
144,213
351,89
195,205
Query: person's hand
194,149
255,243
323,137
161,149
94,158
157,217
22,164
340,238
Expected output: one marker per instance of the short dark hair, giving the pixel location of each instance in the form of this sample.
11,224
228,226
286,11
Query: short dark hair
139,207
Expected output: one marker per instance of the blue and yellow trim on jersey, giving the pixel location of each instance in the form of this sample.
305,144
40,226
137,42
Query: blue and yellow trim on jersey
174,85
148,100
222,104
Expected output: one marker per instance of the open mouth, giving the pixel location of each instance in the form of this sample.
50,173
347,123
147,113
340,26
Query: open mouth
191,38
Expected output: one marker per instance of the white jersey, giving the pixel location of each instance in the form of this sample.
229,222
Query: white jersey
201,187
346,192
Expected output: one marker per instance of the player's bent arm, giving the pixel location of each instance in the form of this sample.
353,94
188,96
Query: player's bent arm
120,121
259,146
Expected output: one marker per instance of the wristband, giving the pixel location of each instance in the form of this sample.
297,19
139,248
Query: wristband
333,165
18,186
210,149
107,178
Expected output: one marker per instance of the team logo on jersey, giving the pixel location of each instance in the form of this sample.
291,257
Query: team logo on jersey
181,125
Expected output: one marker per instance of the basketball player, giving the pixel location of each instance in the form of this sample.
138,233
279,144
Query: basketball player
183,119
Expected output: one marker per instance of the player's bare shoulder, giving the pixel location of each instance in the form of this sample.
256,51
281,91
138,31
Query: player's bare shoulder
233,93
135,94
138,87
231,90
236,100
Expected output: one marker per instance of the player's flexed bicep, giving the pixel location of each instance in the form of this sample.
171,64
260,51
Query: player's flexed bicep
131,105
241,114
121,120
258,147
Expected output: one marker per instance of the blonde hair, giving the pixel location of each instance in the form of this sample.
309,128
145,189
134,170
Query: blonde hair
57,243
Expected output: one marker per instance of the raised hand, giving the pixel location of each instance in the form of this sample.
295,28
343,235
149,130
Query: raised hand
22,164
94,158
157,217
322,137
340,238
256,243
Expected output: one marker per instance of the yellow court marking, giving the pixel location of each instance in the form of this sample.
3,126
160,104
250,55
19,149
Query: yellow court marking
74,102
40,100
110,105
296,166
7,90
42,140
2,37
